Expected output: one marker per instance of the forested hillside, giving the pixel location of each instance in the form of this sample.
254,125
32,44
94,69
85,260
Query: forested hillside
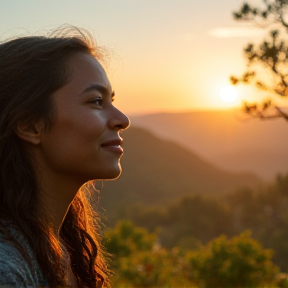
158,172
195,220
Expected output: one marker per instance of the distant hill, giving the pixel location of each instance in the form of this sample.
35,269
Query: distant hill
157,171
225,139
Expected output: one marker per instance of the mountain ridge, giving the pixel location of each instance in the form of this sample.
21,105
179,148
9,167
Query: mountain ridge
157,171
225,139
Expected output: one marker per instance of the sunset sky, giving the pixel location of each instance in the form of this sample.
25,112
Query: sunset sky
167,55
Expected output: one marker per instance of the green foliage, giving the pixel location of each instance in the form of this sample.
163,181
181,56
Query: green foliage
196,220
155,268
265,213
282,280
179,223
183,220
140,262
125,239
237,262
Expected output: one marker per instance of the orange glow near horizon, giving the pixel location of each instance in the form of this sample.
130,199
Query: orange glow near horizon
183,90
177,61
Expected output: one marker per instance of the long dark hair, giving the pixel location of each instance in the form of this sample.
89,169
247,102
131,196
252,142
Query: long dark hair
31,70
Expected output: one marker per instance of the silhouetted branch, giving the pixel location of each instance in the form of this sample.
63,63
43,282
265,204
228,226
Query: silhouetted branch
271,55
282,113
272,12
264,111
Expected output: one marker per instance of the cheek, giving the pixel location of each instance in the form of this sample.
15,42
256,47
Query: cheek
73,138
82,123
89,127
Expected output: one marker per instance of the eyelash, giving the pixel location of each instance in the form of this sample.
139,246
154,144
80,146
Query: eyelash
98,101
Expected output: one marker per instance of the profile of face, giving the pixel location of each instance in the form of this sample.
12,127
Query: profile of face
83,142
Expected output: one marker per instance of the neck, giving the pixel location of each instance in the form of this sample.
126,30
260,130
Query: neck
57,193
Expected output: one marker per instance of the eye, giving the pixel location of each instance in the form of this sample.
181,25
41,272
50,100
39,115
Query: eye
97,102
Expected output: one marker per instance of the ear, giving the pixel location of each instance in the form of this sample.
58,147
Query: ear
30,132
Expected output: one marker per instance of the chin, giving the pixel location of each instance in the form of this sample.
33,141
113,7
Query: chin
110,174
114,175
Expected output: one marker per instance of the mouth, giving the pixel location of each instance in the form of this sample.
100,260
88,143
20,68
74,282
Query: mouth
113,146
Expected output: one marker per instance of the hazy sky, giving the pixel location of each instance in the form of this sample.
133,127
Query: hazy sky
167,54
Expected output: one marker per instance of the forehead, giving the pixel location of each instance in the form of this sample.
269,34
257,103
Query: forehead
86,71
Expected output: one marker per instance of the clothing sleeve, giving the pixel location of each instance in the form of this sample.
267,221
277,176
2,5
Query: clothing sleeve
14,269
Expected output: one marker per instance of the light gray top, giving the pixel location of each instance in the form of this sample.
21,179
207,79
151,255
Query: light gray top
15,270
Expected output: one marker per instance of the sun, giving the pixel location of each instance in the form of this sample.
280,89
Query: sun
228,94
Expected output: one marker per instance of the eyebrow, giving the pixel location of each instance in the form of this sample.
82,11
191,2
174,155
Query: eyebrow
97,87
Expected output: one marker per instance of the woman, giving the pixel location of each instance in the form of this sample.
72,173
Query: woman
58,130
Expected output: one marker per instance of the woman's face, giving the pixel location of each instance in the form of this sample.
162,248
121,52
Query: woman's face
83,142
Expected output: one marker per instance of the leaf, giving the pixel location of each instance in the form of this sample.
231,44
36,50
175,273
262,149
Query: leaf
233,80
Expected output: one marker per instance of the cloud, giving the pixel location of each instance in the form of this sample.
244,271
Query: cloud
229,32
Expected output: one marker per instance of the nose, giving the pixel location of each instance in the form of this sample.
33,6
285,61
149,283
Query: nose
119,120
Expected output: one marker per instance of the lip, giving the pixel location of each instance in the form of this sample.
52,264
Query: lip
113,145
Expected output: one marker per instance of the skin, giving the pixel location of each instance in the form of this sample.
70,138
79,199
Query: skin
76,148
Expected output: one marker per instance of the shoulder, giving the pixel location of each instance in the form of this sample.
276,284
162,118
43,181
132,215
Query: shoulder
18,269
14,270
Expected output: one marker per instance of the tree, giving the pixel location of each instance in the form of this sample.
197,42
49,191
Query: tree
156,268
237,262
270,56
126,238
139,261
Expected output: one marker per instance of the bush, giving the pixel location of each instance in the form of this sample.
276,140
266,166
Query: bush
126,238
237,262
139,261
156,268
